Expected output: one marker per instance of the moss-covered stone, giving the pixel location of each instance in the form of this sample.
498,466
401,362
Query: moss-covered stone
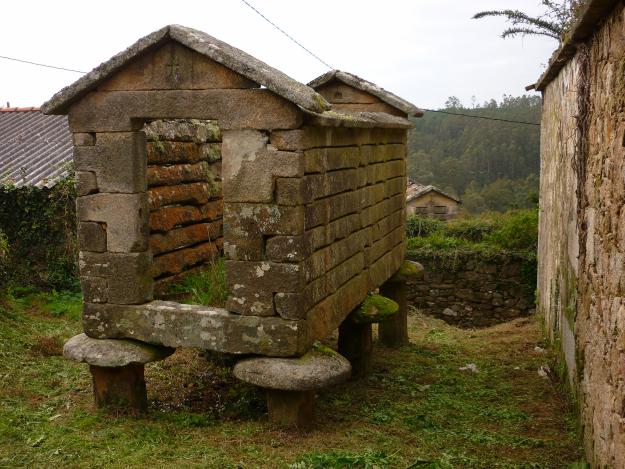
375,308
409,270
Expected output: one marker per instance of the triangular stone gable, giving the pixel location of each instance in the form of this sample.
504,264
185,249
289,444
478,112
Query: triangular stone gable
213,49
328,85
344,97
171,66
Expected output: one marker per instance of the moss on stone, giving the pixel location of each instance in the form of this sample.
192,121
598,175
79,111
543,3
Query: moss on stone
375,308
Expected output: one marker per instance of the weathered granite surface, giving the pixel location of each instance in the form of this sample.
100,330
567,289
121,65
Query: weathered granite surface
111,352
317,369
213,48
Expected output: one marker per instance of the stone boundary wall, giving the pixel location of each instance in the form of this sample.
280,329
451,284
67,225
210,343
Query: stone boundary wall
185,197
581,243
473,292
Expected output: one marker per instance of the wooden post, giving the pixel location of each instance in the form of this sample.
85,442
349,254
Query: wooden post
120,388
356,344
394,331
294,409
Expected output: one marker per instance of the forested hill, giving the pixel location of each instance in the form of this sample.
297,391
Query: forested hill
491,165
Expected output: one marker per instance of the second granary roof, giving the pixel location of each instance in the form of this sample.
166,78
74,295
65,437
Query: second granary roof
222,53
35,149
368,87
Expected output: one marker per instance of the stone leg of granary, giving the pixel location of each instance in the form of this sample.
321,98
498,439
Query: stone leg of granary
356,344
291,408
394,331
119,388
291,383
117,368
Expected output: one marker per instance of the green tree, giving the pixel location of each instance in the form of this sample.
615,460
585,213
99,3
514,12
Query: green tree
554,23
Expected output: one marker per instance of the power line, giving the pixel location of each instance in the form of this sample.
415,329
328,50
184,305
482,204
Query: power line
41,65
483,117
244,1
287,34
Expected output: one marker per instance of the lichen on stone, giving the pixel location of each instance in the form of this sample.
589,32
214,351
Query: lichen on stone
375,308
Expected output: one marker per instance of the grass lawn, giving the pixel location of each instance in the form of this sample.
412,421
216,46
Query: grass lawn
417,409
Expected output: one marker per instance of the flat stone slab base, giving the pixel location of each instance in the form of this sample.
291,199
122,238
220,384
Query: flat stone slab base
317,369
112,352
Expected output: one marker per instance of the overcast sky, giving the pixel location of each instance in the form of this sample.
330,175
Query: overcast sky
422,50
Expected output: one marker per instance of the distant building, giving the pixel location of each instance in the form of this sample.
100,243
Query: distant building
35,149
430,201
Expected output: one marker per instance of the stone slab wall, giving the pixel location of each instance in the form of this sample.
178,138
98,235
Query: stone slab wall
313,207
582,268
472,292
184,196
326,225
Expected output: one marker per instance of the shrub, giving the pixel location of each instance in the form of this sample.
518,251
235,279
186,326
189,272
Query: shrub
421,227
472,229
40,229
517,230
4,262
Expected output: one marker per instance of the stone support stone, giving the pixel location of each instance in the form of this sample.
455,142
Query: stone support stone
356,344
293,409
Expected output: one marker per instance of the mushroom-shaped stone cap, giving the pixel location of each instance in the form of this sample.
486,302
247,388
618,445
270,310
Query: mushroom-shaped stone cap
375,308
318,368
409,271
112,352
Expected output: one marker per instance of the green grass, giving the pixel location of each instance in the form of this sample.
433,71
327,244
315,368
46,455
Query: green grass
417,409
205,288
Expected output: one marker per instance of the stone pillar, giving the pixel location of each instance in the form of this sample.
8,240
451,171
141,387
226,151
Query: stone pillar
116,369
356,344
355,332
119,388
291,383
291,408
394,332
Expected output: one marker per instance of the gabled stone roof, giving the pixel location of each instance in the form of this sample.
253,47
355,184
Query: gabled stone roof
222,53
416,190
368,87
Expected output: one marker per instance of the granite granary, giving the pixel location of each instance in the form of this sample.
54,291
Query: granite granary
186,149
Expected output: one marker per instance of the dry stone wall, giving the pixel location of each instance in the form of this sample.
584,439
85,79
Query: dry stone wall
184,196
581,247
472,292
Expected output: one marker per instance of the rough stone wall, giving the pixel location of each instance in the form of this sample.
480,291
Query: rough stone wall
325,223
185,197
558,246
592,301
471,292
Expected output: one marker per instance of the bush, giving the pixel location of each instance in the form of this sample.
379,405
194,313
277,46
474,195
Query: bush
421,227
40,229
516,230
4,263
472,229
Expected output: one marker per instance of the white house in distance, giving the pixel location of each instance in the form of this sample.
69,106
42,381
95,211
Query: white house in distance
430,201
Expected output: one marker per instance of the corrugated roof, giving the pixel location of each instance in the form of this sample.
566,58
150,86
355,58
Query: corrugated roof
35,149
